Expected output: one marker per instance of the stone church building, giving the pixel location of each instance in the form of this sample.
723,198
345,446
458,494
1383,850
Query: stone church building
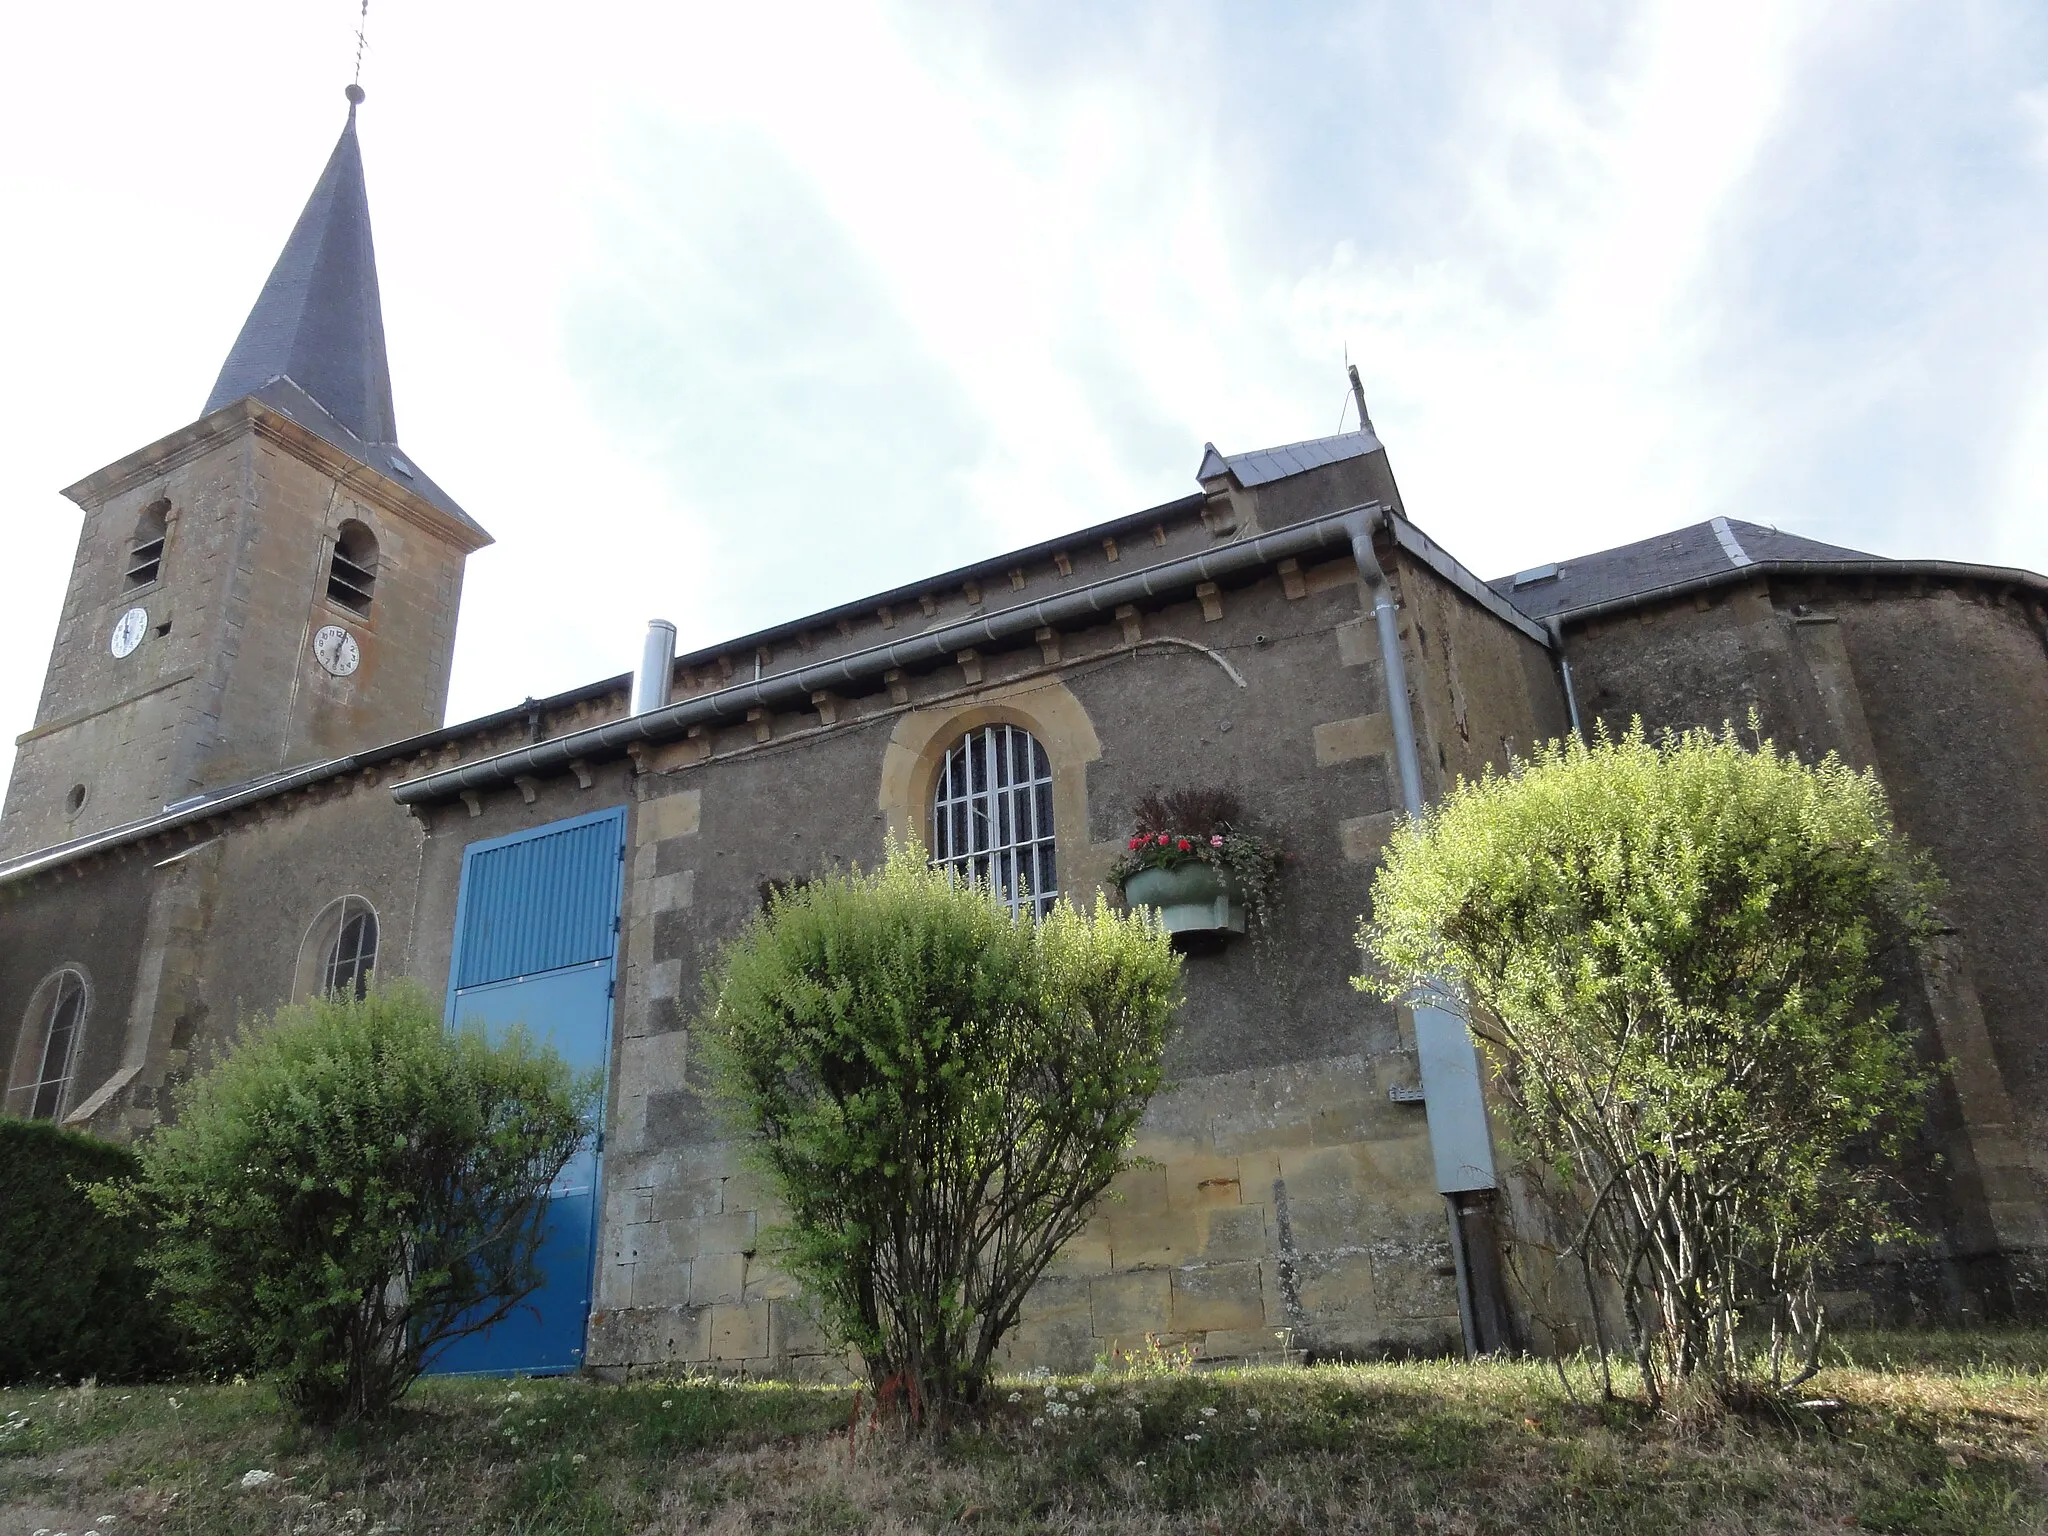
239,790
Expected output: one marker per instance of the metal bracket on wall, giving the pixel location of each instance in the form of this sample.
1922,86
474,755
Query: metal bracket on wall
1401,1094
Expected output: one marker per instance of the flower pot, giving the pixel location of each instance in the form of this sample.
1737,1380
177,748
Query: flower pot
1191,898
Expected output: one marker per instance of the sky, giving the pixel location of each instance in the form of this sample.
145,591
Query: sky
725,314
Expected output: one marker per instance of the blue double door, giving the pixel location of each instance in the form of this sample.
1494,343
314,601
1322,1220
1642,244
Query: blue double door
536,948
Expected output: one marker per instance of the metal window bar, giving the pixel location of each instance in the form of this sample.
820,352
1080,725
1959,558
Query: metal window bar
60,1042
992,817
354,955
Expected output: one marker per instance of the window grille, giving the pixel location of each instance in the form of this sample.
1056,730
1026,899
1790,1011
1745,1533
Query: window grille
992,817
352,574
62,1019
354,955
146,552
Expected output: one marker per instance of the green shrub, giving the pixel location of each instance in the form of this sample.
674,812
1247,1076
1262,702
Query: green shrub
351,1186
74,1300
936,1093
1673,950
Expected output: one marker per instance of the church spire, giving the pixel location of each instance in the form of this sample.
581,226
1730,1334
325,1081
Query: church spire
318,319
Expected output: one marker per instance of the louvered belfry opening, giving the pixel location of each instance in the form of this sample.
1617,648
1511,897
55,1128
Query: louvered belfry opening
146,551
352,575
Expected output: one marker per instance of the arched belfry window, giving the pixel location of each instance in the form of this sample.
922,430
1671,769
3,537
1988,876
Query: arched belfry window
352,574
353,954
146,549
992,816
56,1020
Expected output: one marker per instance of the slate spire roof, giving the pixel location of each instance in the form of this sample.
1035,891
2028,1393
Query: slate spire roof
318,320
313,347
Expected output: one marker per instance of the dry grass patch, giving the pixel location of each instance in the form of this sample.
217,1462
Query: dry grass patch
1935,1434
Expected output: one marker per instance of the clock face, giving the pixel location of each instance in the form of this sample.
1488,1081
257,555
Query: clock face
128,631
336,650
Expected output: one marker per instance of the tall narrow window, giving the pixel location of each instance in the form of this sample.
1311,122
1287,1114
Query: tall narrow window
992,816
57,1018
146,550
354,955
352,575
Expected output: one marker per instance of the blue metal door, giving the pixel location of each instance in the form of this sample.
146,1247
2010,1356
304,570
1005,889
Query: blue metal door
536,946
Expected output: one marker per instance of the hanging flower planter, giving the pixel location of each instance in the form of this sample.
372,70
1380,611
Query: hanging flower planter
1195,898
1192,861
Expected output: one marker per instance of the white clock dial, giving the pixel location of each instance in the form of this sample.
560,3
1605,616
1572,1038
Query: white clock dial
336,650
128,631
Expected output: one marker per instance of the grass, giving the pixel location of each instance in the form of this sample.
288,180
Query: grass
1936,1433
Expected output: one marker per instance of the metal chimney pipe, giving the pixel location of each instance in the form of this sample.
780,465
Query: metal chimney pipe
657,665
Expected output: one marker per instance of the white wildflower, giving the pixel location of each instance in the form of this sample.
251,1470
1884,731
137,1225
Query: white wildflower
666,1402
1088,1387
578,1459
1191,1437
256,1477
1252,1414
511,1397
1038,1423
1073,1397
1138,1463
1057,1410
1016,1397
1208,1413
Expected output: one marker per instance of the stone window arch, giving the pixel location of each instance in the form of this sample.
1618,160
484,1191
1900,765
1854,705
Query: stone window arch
992,815
339,952
46,1058
1045,712
352,570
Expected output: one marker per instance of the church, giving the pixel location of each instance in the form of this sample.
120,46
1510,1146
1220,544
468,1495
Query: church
239,790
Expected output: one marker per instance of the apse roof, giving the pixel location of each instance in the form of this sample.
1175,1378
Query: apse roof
1684,554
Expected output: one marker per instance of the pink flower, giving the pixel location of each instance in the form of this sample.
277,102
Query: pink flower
1216,841
1163,839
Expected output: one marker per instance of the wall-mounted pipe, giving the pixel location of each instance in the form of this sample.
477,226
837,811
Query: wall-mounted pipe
934,646
1460,1140
657,667
1564,671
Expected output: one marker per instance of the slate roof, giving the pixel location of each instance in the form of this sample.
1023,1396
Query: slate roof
1704,549
1264,464
313,345
283,395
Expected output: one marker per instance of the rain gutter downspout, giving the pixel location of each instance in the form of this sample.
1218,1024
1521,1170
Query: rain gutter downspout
1564,670
1460,1140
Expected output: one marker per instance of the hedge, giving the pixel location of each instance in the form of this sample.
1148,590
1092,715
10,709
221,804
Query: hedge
74,1300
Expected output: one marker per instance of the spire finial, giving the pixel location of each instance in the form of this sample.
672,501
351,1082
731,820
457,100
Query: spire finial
354,93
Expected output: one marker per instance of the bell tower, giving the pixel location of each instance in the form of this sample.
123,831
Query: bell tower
273,585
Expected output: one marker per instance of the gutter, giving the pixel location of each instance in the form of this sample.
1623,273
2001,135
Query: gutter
1944,570
731,704
256,790
1460,1138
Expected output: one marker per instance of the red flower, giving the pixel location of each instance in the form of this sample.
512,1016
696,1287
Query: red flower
1163,839
1185,845
1137,842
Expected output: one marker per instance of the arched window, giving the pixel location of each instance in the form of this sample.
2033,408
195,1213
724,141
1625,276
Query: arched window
352,574
992,816
56,1019
353,955
146,550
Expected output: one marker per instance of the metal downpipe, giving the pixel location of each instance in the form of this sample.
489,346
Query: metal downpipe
1460,1138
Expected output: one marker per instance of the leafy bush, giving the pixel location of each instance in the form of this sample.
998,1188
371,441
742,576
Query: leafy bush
74,1297
1673,951
352,1186
936,1092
